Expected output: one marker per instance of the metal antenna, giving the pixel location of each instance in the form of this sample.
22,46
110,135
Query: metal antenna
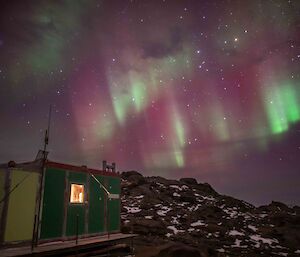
47,133
37,218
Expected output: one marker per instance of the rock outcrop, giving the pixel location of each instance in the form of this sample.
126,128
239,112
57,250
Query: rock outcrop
200,222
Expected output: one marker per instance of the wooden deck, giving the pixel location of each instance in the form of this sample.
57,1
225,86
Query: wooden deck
64,248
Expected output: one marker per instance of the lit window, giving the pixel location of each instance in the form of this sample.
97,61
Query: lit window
77,193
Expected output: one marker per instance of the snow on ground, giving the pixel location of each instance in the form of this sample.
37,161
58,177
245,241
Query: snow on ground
282,254
263,215
235,233
232,213
209,198
198,223
258,238
148,217
175,230
221,250
176,187
252,228
164,210
297,251
174,220
175,194
237,243
139,197
160,184
132,209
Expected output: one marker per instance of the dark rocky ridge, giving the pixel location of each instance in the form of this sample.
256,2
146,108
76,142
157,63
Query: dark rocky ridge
192,219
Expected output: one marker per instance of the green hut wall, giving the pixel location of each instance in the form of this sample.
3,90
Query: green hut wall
53,204
58,216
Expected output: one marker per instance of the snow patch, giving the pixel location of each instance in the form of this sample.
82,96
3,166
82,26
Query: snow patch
252,228
132,209
175,230
164,210
259,238
198,223
235,233
237,243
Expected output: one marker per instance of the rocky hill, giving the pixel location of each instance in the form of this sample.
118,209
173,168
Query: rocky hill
187,218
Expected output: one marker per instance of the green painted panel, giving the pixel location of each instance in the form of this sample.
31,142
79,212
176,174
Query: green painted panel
114,204
114,185
75,209
21,206
53,204
114,214
96,206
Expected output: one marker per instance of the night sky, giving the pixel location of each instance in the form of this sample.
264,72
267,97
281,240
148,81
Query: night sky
205,89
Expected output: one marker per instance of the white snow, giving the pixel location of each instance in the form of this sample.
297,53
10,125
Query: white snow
168,234
139,197
237,243
184,187
191,229
283,254
175,194
258,238
132,209
175,230
160,184
174,220
148,217
209,198
235,233
163,211
263,215
252,228
232,213
221,250
297,251
198,223
176,187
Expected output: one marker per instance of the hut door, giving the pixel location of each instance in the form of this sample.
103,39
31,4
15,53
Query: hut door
77,203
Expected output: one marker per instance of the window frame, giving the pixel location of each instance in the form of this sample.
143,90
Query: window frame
70,194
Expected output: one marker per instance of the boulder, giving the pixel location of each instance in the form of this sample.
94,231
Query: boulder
134,177
189,181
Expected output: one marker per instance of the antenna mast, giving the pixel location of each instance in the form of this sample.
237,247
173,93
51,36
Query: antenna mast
47,133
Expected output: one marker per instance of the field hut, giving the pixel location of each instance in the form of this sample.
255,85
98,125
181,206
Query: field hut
45,201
